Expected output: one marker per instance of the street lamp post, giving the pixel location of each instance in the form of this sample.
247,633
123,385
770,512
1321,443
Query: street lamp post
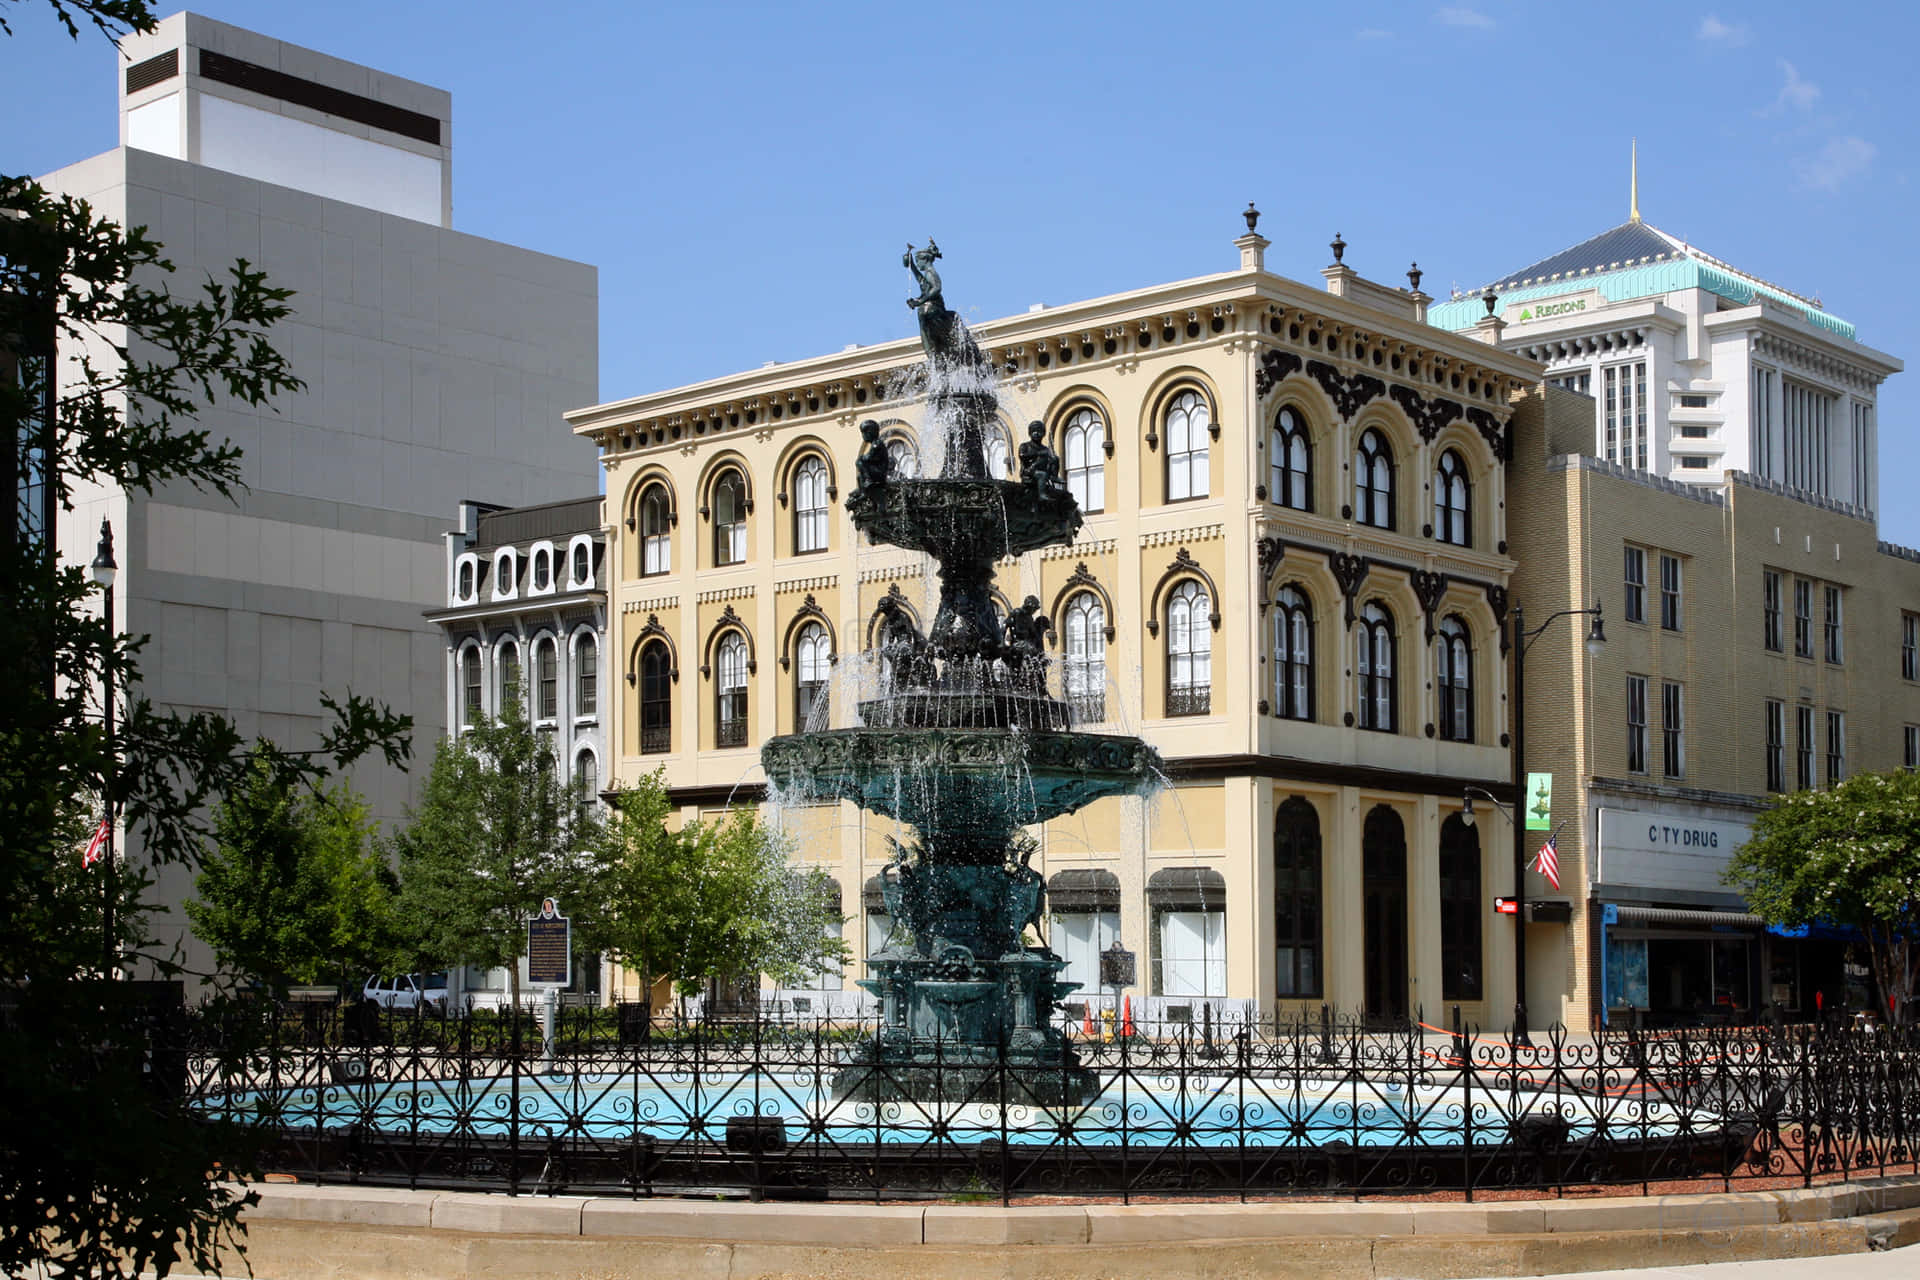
1520,639
104,569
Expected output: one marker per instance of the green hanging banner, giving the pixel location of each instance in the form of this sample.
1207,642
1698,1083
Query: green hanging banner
1538,802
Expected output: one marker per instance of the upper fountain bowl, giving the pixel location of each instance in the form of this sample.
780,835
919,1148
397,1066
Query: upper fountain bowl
965,519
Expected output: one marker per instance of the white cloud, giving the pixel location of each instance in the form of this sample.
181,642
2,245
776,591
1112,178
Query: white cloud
1373,33
1796,93
1841,160
1712,28
1454,16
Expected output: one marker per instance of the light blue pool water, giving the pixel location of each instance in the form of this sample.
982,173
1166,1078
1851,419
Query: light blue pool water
1220,1111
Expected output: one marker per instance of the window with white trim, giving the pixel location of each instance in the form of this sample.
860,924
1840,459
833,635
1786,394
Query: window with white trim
471,687
810,506
1803,746
506,667
1673,744
1836,746
1772,630
546,658
812,653
586,676
1452,501
656,531
730,691
1831,626
1377,670
1635,576
1454,680
1084,633
1085,452
1290,462
1189,423
1373,480
1189,650
1776,745
1292,654
730,518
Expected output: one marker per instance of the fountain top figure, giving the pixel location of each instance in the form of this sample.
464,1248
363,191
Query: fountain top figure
965,744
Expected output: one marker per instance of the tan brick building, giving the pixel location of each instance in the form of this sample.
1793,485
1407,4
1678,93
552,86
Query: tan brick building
1760,639
1291,581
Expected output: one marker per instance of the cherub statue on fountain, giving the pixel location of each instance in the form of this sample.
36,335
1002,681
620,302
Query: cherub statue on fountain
903,647
1024,652
1039,464
873,467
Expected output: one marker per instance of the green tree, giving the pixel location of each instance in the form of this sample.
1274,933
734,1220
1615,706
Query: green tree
295,889
710,900
99,1173
496,830
1846,856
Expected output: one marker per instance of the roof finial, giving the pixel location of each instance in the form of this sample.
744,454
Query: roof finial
1633,197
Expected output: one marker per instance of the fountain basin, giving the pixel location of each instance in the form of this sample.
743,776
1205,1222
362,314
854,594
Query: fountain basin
998,778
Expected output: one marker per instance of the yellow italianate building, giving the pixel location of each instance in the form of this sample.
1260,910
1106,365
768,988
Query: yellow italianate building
1292,581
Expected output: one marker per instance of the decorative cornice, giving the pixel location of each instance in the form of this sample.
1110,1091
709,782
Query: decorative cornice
725,593
825,582
889,572
1079,550
1497,601
652,605
1498,438
1179,537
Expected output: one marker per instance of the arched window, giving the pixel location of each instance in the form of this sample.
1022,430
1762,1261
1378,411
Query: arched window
586,778
463,581
582,564
1085,450
1453,680
1188,421
1376,669
1296,898
656,531
730,691
999,460
506,665
471,687
811,650
546,679
586,676
1289,463
1084,629
1292,654
730,518
542,568
656,698
1189,651
1452,501
902,461
1373,480
810,505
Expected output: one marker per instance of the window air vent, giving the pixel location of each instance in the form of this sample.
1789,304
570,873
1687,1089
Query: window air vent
155,70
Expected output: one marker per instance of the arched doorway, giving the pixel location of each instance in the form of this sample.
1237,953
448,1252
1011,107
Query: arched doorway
1383,888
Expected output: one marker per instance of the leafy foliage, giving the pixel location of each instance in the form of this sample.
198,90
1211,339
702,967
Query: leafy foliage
102,1171
710,900
497,829
295,890
1847,856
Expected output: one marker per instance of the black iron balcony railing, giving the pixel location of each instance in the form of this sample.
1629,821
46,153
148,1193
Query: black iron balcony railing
731,733
1189,700
656,739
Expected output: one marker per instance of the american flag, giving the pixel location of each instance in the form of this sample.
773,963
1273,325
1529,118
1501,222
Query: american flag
1548,864
94,845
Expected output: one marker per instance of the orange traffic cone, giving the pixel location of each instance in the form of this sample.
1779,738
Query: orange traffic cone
1126,1017
1086,1027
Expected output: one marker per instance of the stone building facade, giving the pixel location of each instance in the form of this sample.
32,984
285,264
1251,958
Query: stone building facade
1291,580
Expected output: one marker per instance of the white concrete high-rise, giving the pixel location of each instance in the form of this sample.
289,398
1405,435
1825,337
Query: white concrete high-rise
1697,368
437,364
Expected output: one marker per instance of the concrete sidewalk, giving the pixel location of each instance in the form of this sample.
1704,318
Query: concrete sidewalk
1886,1265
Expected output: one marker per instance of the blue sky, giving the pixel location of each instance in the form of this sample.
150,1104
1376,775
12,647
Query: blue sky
745,176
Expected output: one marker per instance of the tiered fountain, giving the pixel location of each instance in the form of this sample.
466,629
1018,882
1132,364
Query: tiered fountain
966,745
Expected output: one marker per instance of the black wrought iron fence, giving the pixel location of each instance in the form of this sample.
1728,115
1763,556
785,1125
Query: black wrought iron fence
616,1103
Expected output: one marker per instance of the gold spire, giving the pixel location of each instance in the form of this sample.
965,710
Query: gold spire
1633,197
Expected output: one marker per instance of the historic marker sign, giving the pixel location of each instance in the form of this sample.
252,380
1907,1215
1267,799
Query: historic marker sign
549,947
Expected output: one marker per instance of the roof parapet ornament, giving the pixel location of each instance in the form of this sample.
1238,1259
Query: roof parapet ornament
1339,248
1490,298
1252,215
1413,276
